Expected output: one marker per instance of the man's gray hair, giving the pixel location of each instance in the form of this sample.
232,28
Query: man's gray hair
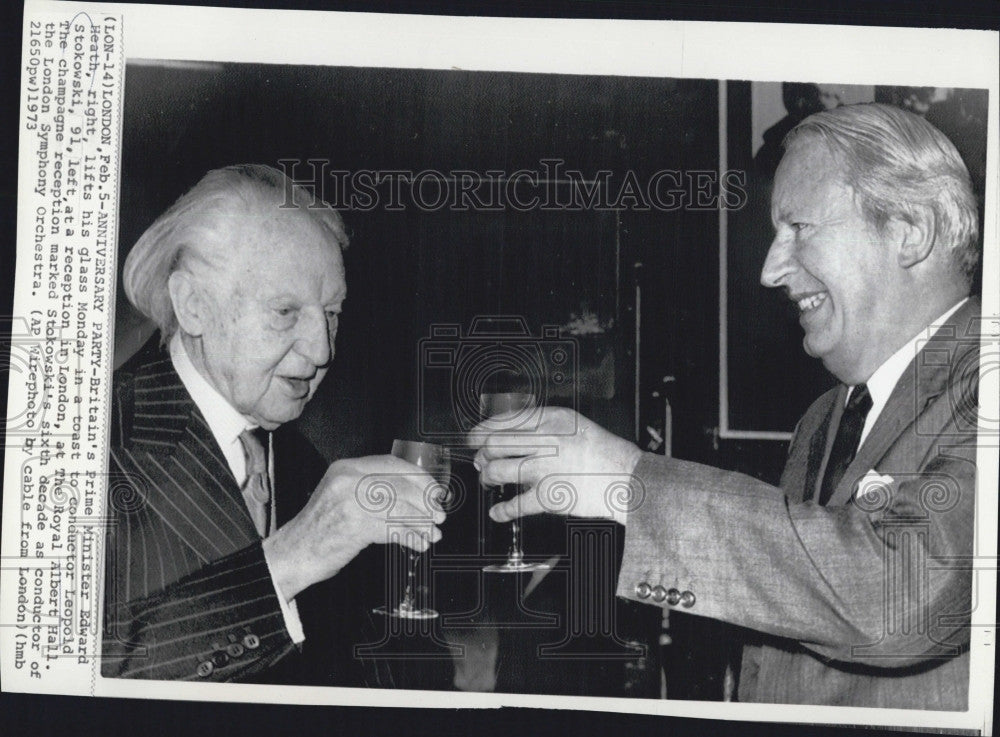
898,164
200,224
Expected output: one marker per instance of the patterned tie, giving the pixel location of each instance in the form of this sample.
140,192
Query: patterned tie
845,444
257,488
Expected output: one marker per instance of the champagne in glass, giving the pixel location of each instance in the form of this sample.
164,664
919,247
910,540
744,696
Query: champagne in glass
489,406
436,460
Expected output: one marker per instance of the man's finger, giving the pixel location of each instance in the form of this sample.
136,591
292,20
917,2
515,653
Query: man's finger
514,446
524,423
423,509
478,434
507,471
522,505
493,450
486,439
418,538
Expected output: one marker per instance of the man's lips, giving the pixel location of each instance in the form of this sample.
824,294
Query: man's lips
299,387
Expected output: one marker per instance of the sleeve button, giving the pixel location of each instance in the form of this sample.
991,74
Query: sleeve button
205,669
687,599
251,642
643,590
219,658
673,597
659,594
234,650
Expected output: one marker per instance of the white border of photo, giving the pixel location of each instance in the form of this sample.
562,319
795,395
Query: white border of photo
764,52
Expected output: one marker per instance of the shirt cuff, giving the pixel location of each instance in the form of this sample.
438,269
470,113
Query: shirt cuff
289,610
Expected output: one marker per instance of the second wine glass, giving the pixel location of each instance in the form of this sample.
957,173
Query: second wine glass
518,403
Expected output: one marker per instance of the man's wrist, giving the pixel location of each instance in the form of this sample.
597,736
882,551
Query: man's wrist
289,611
630,461
284,570
631,458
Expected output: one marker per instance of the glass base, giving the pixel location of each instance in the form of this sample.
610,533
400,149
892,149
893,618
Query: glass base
406,611
517,566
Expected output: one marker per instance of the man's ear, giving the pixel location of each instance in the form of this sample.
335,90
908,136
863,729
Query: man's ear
188,301
914,240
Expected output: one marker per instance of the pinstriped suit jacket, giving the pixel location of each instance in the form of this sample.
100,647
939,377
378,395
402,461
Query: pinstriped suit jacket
863,602
186,579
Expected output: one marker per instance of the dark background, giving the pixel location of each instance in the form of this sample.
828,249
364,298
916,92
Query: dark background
411,269
44,715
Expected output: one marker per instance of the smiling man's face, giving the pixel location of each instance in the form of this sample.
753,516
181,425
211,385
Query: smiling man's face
268,339
842,274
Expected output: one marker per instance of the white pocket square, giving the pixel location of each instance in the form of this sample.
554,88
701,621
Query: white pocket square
874,491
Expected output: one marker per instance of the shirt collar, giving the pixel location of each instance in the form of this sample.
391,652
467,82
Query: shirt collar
225,422
884,379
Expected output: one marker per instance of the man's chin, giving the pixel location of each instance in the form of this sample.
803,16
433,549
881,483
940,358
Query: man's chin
843,367
809,346
275,419
815,349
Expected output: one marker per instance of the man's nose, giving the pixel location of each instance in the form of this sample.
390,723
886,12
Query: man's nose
779,264
314,340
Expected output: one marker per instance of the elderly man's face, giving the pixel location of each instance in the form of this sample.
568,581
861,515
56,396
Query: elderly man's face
269,339
833,264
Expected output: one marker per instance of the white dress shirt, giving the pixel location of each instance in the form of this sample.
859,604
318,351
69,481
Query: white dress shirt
884,379
227,424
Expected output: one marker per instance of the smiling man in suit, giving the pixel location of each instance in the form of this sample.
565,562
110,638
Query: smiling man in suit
224,518
854,573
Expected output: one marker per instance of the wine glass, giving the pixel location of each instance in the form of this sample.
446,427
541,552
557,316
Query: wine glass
495,404
436,460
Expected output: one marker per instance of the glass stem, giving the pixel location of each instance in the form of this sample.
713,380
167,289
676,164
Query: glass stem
515,544
411,575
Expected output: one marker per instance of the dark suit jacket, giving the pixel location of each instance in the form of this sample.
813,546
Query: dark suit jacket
863,602
188,594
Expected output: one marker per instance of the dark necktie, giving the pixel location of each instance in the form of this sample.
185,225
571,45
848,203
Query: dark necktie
845,444
257,488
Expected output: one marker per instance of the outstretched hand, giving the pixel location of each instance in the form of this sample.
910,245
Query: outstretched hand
360,501
567,464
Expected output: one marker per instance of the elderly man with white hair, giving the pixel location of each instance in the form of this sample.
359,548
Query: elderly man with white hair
223,517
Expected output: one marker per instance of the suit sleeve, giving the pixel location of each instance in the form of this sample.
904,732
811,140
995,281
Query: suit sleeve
221,623
881,581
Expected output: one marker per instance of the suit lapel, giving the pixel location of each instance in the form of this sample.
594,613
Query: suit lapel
188,482
924,380
821,444
811,446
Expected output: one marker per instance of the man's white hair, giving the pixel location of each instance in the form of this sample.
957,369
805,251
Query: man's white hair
898,164
203,225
